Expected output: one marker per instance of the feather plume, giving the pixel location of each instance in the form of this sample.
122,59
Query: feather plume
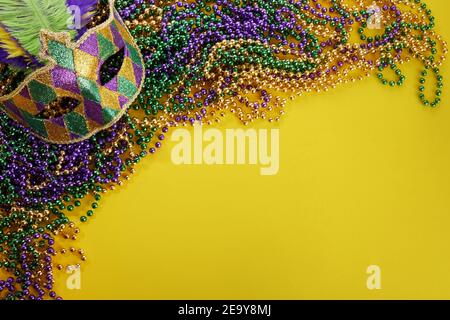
26,18
19,62
87,9
9,44
11,52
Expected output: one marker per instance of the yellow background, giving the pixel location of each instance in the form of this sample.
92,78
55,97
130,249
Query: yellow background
364,179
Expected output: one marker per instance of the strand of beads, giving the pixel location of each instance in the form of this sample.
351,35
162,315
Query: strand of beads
203,59
190,98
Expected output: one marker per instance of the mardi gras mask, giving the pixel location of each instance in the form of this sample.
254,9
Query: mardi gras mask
73,74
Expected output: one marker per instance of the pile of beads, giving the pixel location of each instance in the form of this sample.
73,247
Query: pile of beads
203,59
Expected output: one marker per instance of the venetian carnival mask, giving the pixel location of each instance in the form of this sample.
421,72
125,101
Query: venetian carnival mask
72,73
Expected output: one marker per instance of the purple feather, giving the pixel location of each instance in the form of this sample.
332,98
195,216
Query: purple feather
86,6
18,62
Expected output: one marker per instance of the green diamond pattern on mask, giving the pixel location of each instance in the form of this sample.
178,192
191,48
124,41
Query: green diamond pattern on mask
134,54
126,87
36,124
62,55
89,89
76,123
109,114
107,48
41,92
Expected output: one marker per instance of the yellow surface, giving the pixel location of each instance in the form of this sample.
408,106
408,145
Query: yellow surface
364,180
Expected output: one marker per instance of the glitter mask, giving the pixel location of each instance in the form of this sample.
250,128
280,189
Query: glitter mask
73,73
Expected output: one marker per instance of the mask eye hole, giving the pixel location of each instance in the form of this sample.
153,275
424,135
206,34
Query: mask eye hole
58,108
111,67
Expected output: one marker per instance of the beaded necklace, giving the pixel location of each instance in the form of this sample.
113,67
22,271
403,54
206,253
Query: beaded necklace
203,59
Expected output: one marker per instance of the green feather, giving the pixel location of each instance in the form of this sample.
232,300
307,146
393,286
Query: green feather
26,18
